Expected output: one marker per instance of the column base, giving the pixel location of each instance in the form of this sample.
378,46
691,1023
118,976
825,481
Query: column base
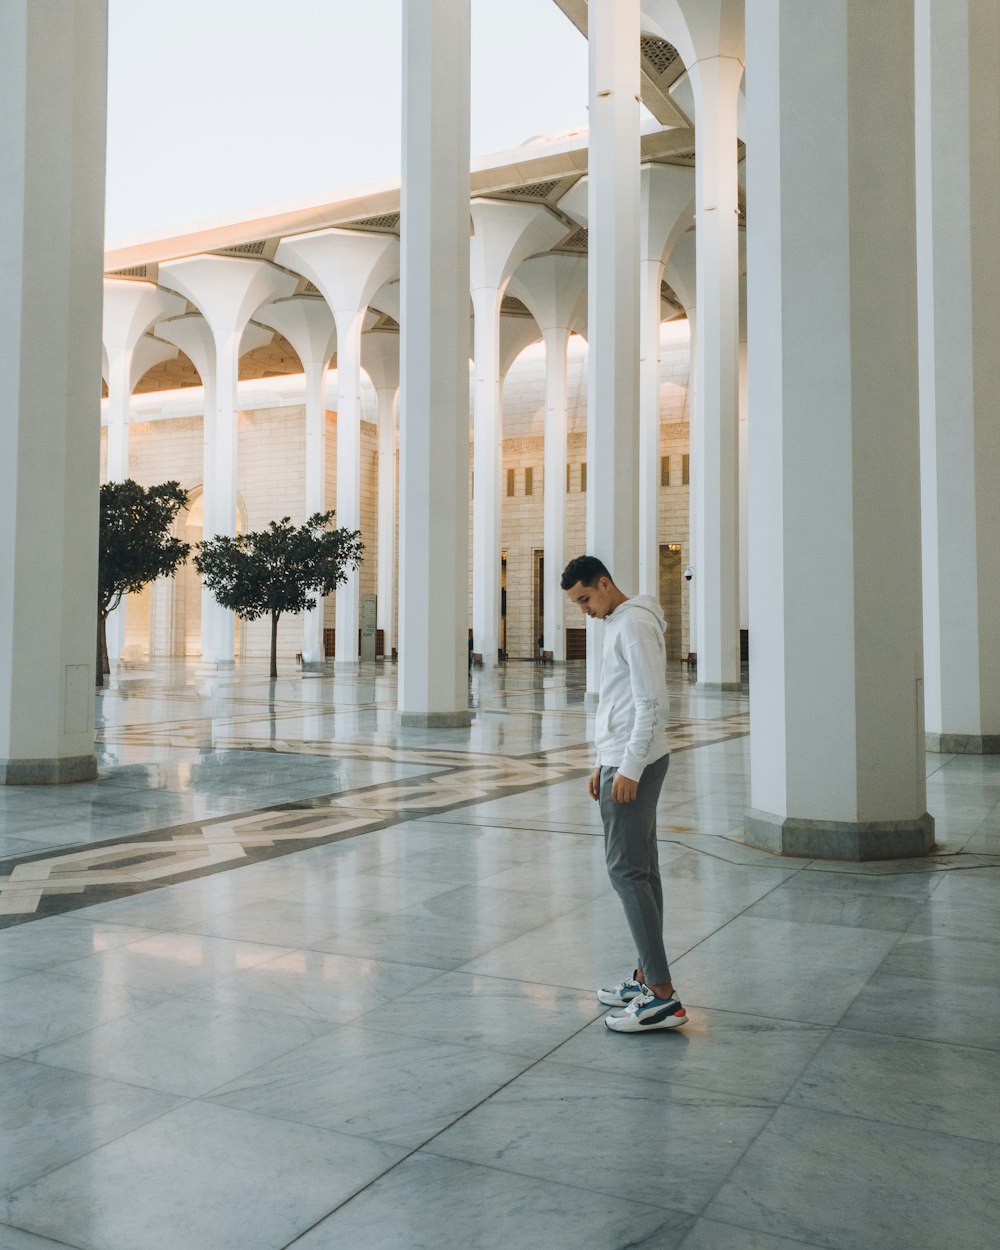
840,839
48,772
461,719
963,744
718,685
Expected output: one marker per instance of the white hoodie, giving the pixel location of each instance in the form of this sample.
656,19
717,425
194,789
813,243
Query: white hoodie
633,710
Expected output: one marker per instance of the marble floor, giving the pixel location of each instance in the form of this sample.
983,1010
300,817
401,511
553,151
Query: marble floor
288,975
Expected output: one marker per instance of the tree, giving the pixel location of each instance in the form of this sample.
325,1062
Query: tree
281,569
136,547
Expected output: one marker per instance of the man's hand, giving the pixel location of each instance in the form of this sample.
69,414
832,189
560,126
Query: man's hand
623,789
594,784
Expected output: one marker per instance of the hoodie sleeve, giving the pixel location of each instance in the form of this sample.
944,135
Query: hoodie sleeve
646,660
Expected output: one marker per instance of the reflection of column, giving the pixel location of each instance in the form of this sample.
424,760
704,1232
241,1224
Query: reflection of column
613,316
958,234
434,359
715,459
52,66
837,751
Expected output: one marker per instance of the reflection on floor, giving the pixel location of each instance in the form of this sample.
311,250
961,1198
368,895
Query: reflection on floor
290,975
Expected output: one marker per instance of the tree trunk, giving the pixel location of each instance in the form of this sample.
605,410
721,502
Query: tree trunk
103,665
274,643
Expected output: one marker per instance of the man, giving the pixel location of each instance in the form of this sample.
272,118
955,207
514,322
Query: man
632,760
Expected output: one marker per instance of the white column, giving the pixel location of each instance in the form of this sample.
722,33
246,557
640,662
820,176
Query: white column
486,475
958,254
228,292
434,347
837,759
119,391
348,597
715,423
313,651
554,498
307,323
613,316
554,289
53,83
386,557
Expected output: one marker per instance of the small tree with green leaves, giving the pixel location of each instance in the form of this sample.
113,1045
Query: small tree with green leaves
284,568
136,547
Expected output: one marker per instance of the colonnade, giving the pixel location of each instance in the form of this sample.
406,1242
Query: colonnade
854,449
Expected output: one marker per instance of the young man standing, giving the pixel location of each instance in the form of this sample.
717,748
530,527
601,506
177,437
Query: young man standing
632,760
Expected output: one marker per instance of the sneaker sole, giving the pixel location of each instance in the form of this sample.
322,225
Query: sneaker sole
672,1022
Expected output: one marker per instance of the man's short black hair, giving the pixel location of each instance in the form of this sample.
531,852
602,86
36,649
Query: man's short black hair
587,570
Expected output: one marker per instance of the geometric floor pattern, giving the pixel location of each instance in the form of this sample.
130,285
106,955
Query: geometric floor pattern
290,976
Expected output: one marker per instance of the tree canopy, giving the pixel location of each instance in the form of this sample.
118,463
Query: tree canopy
284,568
136,545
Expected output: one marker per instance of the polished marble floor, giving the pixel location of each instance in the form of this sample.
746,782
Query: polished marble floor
289,975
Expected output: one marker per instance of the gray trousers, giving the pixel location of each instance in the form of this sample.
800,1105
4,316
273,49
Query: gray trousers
633,865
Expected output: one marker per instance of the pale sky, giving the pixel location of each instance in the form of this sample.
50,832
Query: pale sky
218,108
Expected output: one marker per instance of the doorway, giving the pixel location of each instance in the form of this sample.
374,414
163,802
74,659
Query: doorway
670,582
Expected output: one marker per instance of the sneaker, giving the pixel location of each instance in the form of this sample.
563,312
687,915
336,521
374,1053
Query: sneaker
646,1013
622,994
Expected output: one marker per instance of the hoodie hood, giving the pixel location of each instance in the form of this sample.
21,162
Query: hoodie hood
640,603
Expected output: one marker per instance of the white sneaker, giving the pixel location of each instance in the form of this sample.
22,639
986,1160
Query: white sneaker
647,1013
621,995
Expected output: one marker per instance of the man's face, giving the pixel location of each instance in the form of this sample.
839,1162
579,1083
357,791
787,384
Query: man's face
595,601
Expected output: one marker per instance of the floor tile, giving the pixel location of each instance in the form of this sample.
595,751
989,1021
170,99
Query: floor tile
18,1239
337,988
182,1046
40,1008
778,968
967,1015
716,1050
853,911
59,939
199,1178
927,1085
853,1184
385,1086
711,1235
429,1203
609,1134
49,1117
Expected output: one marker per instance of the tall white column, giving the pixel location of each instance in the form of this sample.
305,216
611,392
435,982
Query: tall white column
348,267
613,304
386,559
119,392
434,358
130,308
53,82
307,323
313,651
715,423
504,236
666,209
380,360
958,266
228,292
349,326
837,752
554,289
486,475
554,498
